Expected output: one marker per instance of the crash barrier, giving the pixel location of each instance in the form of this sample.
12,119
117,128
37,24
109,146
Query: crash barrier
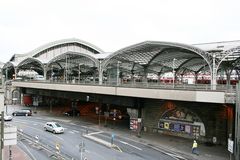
38,143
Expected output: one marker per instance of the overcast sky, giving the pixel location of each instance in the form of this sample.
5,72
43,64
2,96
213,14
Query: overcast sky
112,25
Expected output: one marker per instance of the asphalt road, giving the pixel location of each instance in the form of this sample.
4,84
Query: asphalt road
72,138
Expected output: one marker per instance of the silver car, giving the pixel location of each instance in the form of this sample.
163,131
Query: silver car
53,127
6,117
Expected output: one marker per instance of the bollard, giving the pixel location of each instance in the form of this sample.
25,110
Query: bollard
10,152
37,139
112,139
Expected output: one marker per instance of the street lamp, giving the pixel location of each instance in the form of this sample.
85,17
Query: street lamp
79,72
52,73
173,66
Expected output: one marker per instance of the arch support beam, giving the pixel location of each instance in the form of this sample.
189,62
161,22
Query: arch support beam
214,73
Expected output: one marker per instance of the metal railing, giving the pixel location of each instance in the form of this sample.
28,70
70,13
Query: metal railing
43,146
150,85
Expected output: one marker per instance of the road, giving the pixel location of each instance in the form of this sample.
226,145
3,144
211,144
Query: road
73,137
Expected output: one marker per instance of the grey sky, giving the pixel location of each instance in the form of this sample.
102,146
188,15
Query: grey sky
112,25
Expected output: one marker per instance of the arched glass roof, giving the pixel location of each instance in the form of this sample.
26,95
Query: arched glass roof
158,57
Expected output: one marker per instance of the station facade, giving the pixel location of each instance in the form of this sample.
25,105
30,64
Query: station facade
74,61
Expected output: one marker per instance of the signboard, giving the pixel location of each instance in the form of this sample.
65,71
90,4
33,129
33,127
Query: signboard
230,145
139,120
134,124
190,129
10,135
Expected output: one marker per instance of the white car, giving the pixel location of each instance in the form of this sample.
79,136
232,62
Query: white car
53,127
6,117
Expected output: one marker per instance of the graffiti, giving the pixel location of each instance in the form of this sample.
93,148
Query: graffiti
181,120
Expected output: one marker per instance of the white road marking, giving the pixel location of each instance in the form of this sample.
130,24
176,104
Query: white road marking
20,121
95,133
175,156
43,131
87,151
131,145
39,118
60,120
75,131
72,132
28,151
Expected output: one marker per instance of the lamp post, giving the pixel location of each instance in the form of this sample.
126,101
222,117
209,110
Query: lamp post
173,66
31,73
79,72
52,73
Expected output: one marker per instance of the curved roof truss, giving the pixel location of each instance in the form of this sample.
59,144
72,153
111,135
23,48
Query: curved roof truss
159,54
73,42
74,59
229,55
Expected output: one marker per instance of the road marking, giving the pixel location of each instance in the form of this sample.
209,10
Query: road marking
131,145
42,131
39,118
71,132
23,121
177,157
20,121
95,133
174,156
28,150
75,131
60,120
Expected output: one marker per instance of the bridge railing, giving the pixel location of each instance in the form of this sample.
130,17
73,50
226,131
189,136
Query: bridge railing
154,85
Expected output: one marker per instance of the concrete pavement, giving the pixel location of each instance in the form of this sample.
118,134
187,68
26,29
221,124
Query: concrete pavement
16,153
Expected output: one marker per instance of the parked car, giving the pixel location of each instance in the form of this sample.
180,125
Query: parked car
27,110
72,113
53,127
6,117
23,112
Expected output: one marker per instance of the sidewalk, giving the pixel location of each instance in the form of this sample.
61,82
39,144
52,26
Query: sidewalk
17,153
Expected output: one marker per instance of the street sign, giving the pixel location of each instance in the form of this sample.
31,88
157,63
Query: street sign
133,124
230,145
10,135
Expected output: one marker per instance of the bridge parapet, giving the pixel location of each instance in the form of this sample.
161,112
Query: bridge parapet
230,98
180,94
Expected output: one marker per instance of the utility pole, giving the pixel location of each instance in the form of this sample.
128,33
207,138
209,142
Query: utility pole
2,135
237,125
173,71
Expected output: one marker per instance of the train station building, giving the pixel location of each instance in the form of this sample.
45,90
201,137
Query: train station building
168,86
